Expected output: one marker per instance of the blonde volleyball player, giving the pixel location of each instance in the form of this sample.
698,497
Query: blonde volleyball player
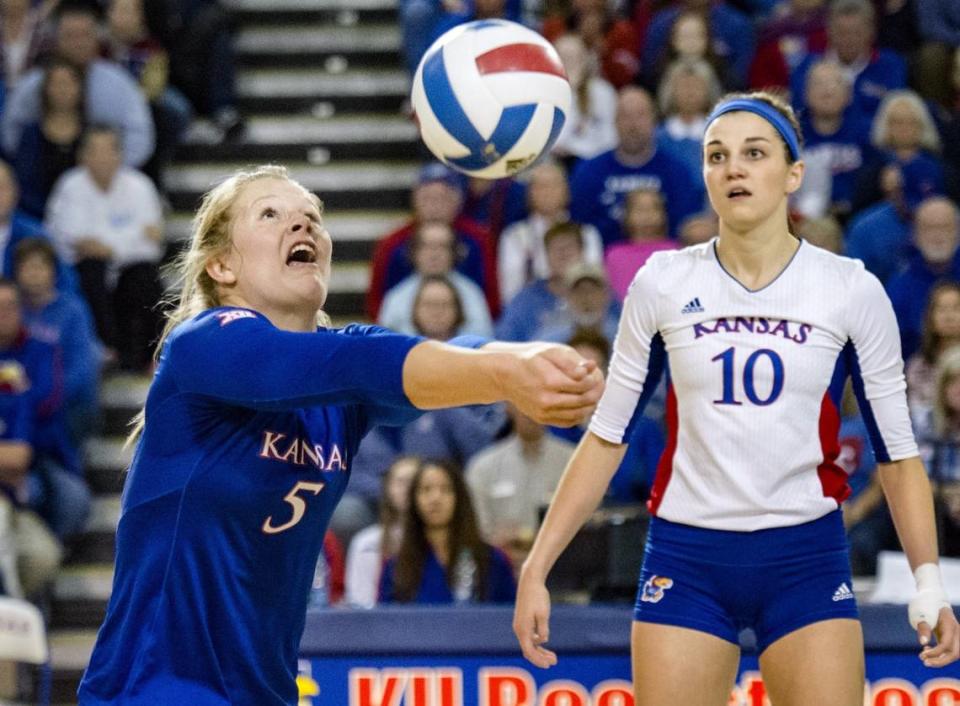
761,331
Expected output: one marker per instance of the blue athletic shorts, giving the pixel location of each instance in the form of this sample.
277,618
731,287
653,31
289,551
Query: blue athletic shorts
774,581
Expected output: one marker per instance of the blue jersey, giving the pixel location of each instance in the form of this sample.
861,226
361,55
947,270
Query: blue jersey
246,450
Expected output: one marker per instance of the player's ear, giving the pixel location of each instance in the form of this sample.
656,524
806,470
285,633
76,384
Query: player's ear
795,176
221,271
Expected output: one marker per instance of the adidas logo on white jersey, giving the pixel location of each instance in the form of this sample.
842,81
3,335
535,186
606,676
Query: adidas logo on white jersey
843,592
692,307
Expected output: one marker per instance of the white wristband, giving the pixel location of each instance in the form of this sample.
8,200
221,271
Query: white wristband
931,596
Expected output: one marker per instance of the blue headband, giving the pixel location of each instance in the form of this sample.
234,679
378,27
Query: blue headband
765,111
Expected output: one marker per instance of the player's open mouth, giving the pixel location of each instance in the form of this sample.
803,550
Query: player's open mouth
303,252
738,192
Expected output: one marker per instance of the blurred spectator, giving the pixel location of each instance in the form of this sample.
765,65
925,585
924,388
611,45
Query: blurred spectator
588,129
442,557
687,92
823,232
794,29
142,55
936,235
835,139
733,38
107,221
29,552
17,422
512,480
897,26
62,318
690,41
522,256
940,332
599,185
16,226
950,115
196,35
55,488
457,13
20,21
542,300
939,22
865,515
454,434
908,145
698,228
112,97
589,305
940,448
872,71
494,203
437,196
634,477
880,237
645,227
373,546
435,251
611,40
437,308
48,147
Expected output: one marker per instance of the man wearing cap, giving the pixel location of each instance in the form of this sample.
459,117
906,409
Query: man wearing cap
588,306
438,196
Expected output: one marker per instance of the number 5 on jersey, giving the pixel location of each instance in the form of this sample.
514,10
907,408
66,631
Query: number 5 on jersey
298,505
749,386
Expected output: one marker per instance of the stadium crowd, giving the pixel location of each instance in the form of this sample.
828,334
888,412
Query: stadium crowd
96,97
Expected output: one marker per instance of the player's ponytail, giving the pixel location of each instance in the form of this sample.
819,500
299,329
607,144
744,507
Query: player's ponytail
194,290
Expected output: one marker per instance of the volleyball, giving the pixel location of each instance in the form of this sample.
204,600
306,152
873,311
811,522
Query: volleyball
491,97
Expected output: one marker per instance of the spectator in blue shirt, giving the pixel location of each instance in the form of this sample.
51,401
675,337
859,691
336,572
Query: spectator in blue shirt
113,97
907,150
600,185
936,235
634,478
734,38
835,139
55,488
539,301
16,226
851,30
62,318
442,558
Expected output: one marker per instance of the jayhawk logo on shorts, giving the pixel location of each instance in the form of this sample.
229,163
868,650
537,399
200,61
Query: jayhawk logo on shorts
654,587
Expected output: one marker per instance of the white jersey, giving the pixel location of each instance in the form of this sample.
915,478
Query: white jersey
754,384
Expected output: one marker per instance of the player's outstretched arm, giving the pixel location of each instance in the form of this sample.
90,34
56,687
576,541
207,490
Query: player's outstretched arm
548,382
582,487
907,489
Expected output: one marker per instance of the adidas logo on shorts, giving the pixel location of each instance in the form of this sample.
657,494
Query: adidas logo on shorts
843,592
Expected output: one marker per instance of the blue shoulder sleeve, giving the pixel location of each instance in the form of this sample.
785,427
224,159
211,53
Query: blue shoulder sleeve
239,357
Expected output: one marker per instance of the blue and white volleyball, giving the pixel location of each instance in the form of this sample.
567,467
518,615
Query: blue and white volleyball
491,97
